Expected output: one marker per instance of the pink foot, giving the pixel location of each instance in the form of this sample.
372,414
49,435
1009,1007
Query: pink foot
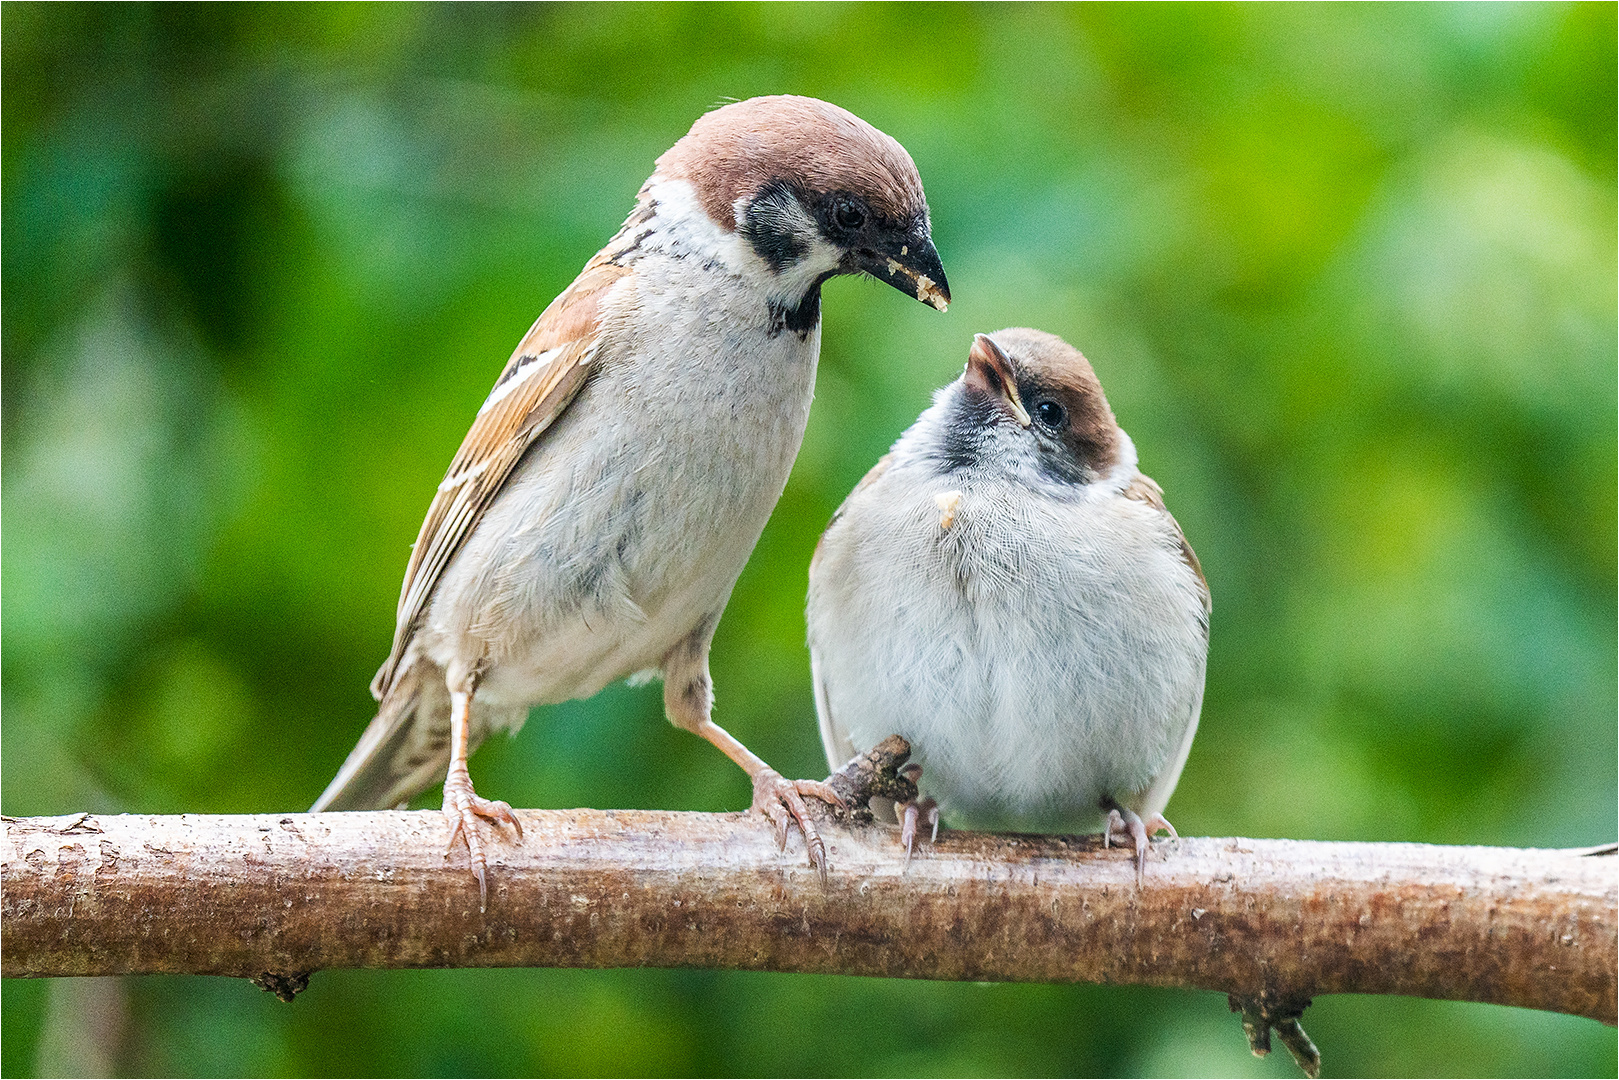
910,812
782,801
1127,825
463,807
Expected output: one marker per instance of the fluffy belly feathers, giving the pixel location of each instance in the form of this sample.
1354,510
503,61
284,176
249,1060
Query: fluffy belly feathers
1101,665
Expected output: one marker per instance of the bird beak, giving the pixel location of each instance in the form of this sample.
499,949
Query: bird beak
990,371
912,266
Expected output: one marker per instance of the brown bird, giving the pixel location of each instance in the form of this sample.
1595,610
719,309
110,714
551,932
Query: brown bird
599,511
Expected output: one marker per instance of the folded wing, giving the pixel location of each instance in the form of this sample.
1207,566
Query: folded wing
546,371
406,747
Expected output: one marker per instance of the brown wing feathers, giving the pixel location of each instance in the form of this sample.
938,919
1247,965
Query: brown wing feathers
1145,489
545,372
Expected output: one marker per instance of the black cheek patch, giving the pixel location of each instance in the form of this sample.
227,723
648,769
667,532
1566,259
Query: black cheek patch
767,231
1062,467
778,247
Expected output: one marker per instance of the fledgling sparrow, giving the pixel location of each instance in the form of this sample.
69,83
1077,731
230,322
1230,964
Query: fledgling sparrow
599,511
1006,591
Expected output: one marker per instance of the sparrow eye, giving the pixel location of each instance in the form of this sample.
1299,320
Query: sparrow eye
1050,414
848,214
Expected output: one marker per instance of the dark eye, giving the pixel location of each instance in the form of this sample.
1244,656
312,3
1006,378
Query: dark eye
1050,414
848,214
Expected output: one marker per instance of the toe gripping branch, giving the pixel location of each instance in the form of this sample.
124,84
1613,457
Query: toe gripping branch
1261,1015
878,772
913,811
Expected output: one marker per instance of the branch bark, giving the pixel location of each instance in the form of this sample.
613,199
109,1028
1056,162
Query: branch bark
1272,922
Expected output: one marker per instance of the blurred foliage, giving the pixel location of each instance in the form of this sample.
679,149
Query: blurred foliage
1348,274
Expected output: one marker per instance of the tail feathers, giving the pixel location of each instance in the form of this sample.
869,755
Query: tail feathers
404,751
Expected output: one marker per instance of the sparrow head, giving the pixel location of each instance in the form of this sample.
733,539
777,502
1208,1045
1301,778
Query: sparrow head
814,191
1029,403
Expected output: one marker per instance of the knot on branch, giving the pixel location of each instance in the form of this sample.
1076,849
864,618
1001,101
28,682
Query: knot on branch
284,985
874,774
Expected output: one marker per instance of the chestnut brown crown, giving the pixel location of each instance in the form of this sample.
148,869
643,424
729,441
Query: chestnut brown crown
737,150
814,191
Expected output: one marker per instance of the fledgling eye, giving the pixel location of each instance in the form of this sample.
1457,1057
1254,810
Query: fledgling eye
1050,414
848,214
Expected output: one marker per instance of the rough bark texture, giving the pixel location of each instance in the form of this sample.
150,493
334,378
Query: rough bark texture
1272,922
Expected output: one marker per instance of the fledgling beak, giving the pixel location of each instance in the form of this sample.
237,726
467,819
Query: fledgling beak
912,266
989,370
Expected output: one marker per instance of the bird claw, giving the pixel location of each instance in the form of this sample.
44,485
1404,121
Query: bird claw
782,801
1128,825
462,808
911,812
1159,823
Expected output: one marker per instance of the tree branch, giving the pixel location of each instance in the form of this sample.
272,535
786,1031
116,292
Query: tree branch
1272,922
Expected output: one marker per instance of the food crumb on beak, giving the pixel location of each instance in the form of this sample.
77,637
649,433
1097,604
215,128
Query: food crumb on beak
926,290
947,501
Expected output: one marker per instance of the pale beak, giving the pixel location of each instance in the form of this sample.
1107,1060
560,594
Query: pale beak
989,370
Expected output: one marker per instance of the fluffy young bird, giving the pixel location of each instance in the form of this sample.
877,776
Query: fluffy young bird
599,511
1007,591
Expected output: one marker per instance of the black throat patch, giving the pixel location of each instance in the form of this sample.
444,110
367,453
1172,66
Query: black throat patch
960,445
800,319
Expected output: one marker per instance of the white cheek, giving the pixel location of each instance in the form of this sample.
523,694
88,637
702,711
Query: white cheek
787,214
684,228
795,280
1125,470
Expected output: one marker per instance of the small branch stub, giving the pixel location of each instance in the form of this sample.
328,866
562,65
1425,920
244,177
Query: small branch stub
1258,1020
283,985
874,774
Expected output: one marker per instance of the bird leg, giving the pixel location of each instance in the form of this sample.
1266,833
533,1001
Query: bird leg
1127,824
911,811
779,799
688,698
463,806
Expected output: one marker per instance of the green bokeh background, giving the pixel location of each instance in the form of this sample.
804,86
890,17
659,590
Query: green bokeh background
1347,273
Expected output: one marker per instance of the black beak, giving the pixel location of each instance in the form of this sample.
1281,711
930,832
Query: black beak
910,265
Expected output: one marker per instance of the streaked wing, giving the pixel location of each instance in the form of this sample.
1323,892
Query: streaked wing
546,371
1145,489
1155,796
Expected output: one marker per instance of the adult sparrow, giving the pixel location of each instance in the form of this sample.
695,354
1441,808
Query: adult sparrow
1007,591
599,511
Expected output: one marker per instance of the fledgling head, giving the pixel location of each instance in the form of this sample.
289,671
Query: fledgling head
814,191
1028,404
